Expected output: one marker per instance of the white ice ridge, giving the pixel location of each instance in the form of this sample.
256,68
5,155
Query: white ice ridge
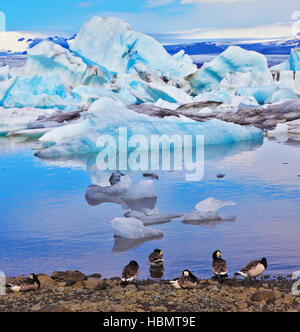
131,228
106,116
207,210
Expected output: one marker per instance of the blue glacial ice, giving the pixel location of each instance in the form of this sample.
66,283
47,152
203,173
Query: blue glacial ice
261,94
48,57
110,42
293,63
41,91
233,60
106,116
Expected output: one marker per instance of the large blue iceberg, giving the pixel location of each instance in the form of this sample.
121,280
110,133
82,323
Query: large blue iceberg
106,116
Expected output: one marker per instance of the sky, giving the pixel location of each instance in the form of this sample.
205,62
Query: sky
169,19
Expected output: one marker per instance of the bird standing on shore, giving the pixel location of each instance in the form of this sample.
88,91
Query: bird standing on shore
156,258
130,272
188,280
253,269
219,266
25,284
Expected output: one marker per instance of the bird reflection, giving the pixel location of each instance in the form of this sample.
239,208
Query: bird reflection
156,272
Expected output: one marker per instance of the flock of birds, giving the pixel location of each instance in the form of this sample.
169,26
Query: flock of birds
187,280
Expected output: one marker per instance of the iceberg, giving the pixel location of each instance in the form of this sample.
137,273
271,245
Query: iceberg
261,94
281,129
4,72
233,60
111,43
129,195
41,91
48,57
16,119
281,95
131,228
106,116
293,63
207,210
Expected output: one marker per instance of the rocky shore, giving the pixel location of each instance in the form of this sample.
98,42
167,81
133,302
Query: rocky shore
72,291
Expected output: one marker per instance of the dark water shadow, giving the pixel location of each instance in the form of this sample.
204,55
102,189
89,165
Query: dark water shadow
210,223
123,245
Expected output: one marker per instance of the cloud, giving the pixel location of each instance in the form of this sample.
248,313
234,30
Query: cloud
212,1
269,31
84,4
157,3
87,4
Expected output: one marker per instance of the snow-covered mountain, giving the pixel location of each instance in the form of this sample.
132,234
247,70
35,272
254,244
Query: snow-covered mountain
210,47
20,42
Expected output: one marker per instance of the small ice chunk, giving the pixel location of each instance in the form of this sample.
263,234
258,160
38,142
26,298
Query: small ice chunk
207,210
131,228
151,217
281,129
212,205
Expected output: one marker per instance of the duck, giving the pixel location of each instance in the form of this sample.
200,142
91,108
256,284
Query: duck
219,266
253,269
156,258
26,284
187,280
130,272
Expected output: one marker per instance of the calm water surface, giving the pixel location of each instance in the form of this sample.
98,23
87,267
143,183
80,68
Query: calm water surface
46,224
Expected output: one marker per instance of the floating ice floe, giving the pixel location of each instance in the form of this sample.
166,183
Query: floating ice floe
281,129
129,195
151,217
106,116
207,210
131,228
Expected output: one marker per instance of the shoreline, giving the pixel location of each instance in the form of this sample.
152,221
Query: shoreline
72,291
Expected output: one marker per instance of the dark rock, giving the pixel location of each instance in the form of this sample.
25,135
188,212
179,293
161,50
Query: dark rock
95,275
263,295
53,308
115,177
94,283
70,277
151,175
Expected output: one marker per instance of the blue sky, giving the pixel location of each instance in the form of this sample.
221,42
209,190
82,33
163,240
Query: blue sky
149,16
